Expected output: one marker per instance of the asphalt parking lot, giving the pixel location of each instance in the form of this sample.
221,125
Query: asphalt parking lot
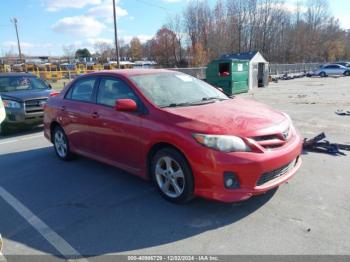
83,207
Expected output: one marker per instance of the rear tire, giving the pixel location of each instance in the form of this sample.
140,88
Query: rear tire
347,73
172,176
61,144
4,130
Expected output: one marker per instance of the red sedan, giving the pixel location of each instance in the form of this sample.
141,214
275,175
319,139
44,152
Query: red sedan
185,135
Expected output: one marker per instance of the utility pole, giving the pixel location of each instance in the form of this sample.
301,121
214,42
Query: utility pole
14,21
116,34
282,44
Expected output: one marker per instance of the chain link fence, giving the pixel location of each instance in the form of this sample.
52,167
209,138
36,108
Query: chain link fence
198,72
274,69
282,69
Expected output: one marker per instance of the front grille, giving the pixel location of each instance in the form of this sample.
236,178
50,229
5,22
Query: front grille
264,138
35,105
274,140
276,173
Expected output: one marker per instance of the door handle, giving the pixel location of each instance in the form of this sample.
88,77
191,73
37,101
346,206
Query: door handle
63,108
95,115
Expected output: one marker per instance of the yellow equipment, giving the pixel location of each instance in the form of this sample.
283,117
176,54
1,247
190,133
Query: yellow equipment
5,68
45,71
80,68
92,67
32,68
56,73
18,68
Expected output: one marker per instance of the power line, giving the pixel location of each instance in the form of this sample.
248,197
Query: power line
155,5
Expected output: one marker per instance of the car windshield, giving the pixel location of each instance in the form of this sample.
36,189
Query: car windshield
20,83
176,89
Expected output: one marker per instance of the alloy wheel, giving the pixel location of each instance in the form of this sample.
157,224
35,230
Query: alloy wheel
170,177
60,143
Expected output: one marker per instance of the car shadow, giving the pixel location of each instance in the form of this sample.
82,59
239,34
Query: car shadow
99,209
12,132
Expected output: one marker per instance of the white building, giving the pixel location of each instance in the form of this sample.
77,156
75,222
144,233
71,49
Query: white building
258,68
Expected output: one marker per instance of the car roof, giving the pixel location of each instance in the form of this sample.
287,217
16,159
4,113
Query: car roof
332,65
133,72
16,74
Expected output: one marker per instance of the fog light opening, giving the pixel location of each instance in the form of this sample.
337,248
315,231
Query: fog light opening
231,181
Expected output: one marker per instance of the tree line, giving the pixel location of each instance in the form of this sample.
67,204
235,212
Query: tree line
306,32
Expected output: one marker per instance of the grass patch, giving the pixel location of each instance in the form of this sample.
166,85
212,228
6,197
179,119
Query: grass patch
58,85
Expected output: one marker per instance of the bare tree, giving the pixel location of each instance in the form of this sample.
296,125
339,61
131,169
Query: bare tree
197,21
306,34
104,50
68,51
175,25
136,49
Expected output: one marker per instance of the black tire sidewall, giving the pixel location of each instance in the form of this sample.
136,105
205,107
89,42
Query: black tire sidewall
69,154
188,192
4,130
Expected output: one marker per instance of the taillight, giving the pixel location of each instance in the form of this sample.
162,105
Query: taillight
54,93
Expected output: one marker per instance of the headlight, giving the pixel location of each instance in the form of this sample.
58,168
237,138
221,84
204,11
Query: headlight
11,104
287,116
222,143
291,126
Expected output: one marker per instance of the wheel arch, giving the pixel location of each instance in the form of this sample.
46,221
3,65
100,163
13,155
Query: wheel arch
53,125
157,147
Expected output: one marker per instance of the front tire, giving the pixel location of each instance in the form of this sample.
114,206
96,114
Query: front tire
347,73
61,144
172,176
323,74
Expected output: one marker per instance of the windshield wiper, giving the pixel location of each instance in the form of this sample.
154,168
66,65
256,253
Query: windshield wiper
178,104
195,103
213,98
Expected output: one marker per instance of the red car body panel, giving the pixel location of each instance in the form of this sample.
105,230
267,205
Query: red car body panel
125,139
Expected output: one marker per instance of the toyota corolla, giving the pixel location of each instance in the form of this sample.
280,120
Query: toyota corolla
180,132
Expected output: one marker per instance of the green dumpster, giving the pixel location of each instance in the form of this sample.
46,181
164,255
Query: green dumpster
232,75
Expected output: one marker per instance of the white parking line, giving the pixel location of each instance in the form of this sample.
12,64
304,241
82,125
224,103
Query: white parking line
20,139
51,236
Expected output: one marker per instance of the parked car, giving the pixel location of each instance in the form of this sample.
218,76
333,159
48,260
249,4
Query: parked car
187,136
346,64
331,70
24,96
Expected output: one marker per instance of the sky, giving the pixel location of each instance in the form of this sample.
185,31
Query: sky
46,26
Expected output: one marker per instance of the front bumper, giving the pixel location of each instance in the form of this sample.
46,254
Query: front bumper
19,117
208,169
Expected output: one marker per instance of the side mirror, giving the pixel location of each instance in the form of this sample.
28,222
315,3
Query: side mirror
125,105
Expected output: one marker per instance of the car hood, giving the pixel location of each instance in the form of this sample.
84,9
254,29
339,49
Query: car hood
26,95
236,116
